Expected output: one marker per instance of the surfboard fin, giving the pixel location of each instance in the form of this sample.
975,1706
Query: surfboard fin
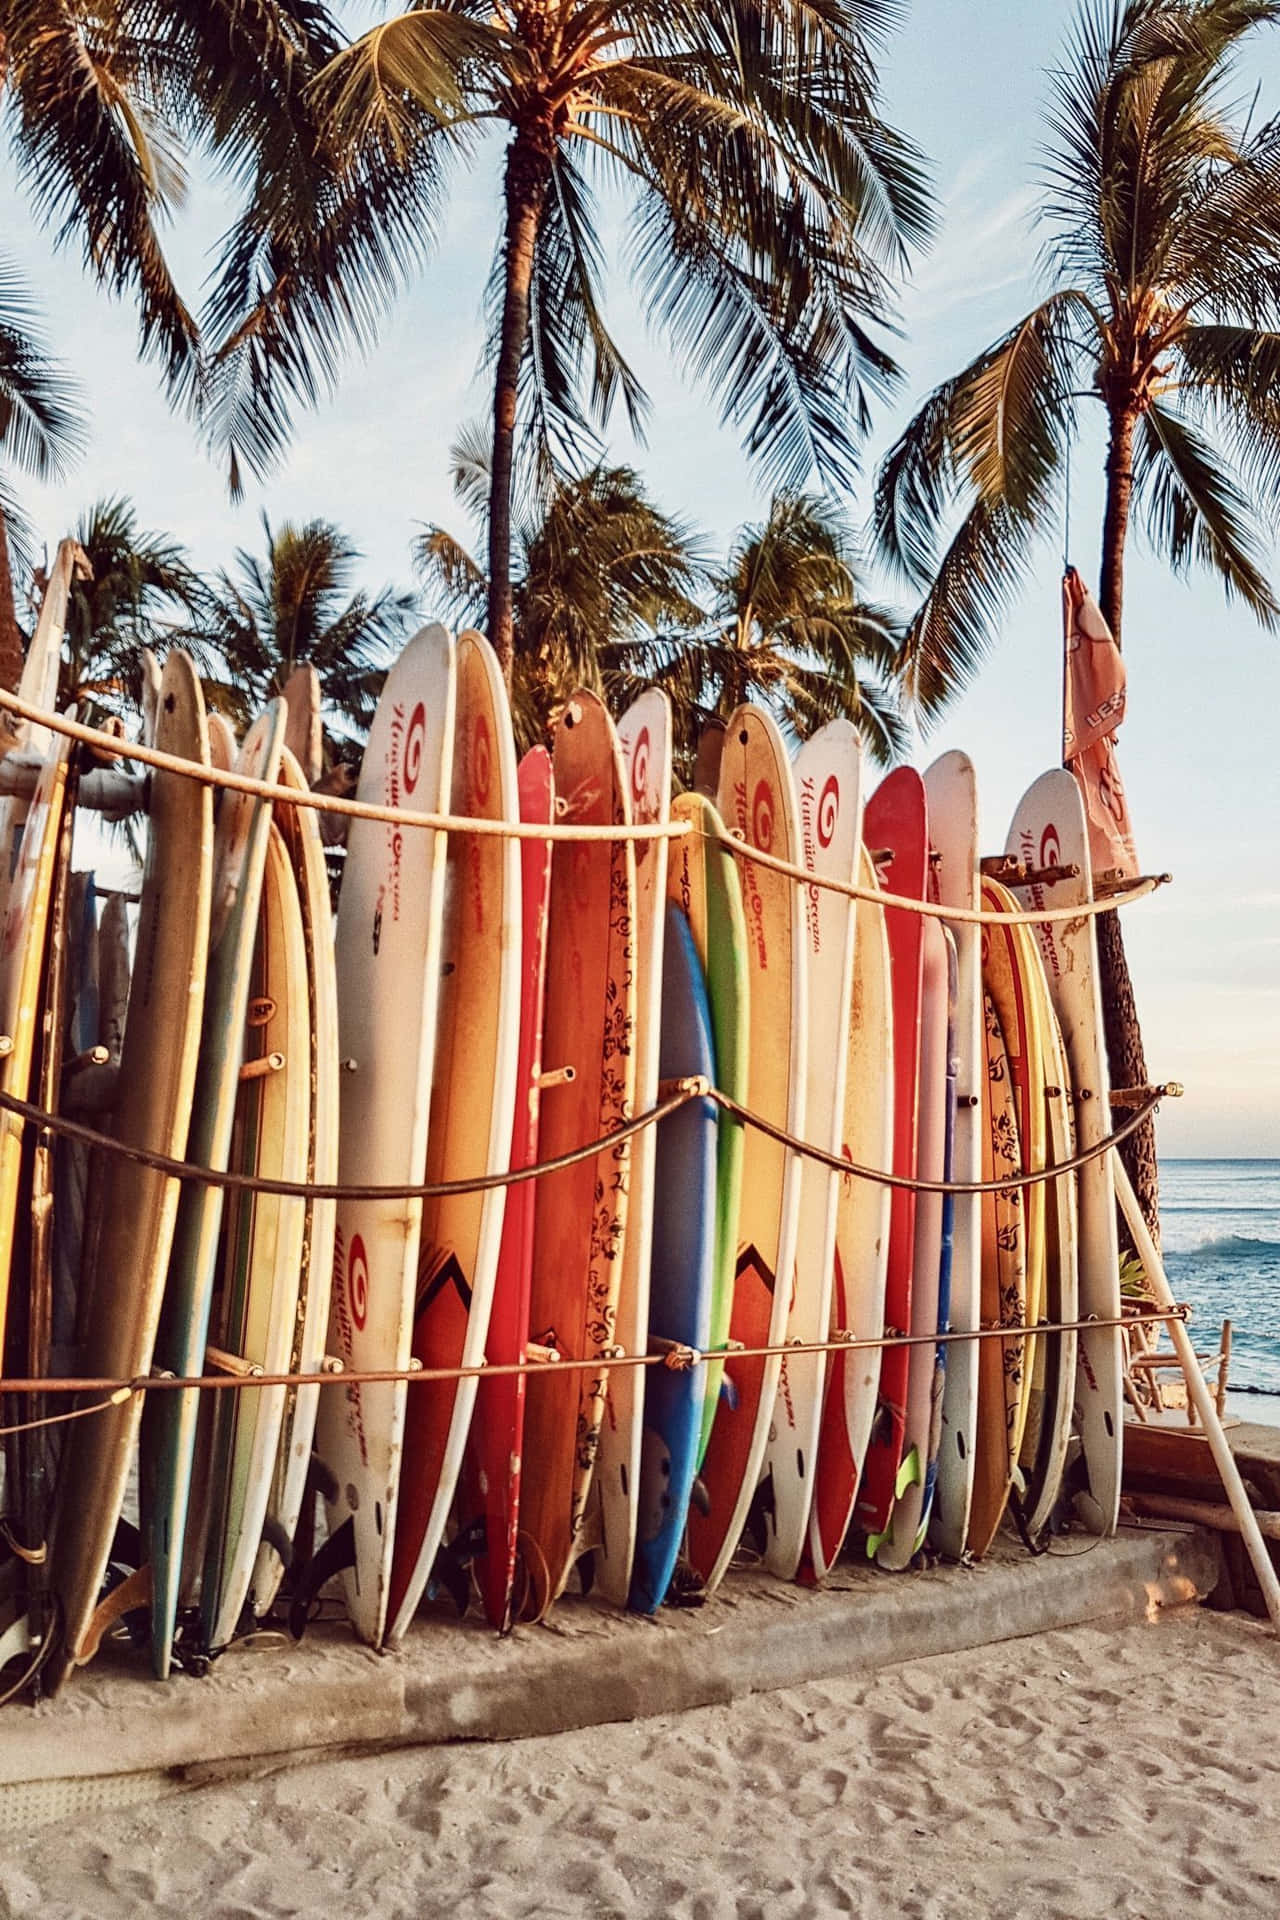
338,1552
909,1474
762,1510
728,1392
699,1498
450,1570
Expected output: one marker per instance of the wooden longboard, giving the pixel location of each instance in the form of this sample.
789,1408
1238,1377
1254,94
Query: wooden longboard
300,827
256,1309
644,734
123,1291
862,1241
472,1102
390,916
951,791
1049,829
490,1487
38,686
757,798
581,1211
1045,1466
22,946
895,821
828,781
169,1427
1004,1295
703,881
1010,964
684,1251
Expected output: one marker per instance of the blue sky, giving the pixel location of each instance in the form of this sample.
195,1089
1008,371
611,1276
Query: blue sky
1199,750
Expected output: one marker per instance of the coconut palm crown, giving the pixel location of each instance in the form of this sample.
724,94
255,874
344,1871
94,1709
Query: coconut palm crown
1162,306
138,589
788,628
292,607
771,207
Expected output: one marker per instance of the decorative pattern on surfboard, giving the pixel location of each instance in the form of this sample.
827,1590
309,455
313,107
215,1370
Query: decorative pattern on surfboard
644,734
581,1211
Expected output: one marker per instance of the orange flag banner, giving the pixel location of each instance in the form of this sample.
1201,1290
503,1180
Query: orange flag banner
1093,709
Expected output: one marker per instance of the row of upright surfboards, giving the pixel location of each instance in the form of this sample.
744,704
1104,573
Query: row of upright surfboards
487,1004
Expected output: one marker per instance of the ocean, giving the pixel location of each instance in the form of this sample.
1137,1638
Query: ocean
1220,1221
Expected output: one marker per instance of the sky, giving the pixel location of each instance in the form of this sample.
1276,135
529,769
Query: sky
1199,748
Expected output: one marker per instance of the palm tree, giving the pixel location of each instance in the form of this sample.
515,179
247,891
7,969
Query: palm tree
139,590
788,628
1162,306
597,567
771,208
292,608
40,431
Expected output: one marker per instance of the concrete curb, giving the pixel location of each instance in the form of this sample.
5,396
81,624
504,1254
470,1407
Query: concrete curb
288,1703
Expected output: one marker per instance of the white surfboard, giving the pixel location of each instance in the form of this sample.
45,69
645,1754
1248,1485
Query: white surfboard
862,1237
388,964
951,789
644,733
472,1106
39,687
828,782
1049,829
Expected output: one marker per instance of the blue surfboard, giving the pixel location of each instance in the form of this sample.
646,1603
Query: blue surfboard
681,1273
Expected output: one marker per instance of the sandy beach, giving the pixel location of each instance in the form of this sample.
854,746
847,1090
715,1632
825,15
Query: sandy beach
1131,1771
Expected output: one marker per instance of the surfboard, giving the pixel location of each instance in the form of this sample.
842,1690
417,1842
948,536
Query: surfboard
862,1241
951,791
305,733
256,1308
1004,1294
30,1456
703,881
828,781
1049,830
170,1421
926,1365
120,1309
387,944
644,734
38,686
581,1211
489,1491
301,832
222,742
683,1254
469,1132
22,946
758,801
1044,1466
895,822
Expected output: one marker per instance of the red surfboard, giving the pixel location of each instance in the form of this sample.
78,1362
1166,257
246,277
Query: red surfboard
491,1471
896,822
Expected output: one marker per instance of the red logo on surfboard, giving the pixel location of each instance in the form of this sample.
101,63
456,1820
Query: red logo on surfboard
413,744
358,1281
828,810
762,816
640,768
481,759
1050,849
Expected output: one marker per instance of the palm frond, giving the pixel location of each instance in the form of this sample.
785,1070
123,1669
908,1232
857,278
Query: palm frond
1196,515
41,423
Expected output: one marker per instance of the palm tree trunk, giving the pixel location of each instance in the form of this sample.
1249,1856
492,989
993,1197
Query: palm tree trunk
1126,1055
529,162
11,648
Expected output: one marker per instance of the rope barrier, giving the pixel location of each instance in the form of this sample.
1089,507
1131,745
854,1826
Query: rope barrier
112,746
119,1390
687,1090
